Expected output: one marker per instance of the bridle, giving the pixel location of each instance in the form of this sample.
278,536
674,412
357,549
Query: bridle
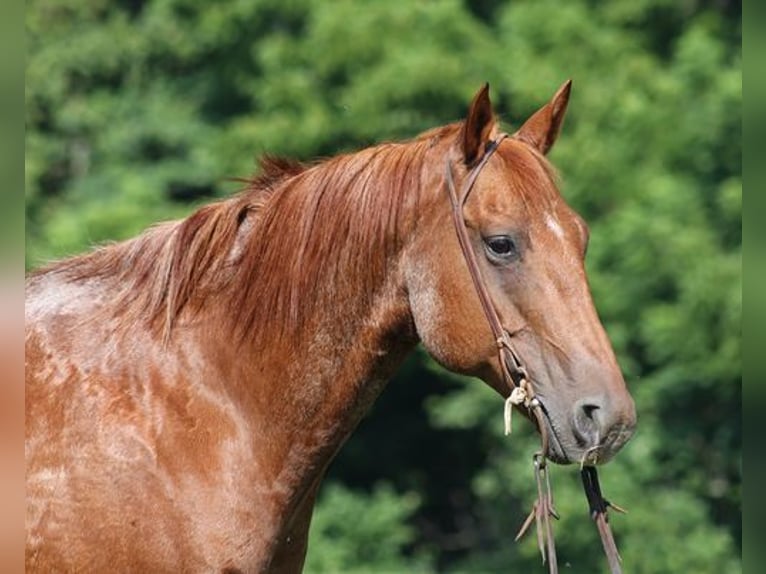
515,375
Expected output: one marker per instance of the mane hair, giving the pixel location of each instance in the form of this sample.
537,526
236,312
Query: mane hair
297,239
270,253
327,236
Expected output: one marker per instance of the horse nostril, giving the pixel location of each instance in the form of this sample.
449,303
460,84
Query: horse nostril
589,410
603,421
587,423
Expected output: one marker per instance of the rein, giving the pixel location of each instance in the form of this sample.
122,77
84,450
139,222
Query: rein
522,393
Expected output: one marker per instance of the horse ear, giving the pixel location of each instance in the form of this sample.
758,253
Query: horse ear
478,126
542,129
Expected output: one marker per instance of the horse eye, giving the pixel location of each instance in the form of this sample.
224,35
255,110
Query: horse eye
501,246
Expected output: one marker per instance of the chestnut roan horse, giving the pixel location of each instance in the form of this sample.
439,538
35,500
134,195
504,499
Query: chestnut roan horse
186,389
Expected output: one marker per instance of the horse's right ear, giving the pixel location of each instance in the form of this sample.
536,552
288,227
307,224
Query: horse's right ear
478,126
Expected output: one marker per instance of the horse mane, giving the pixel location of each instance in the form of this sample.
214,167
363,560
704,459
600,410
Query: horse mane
267,252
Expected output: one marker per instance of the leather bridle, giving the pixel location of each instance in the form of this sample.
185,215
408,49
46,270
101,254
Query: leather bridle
515,375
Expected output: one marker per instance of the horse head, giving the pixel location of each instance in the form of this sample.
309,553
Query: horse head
530,247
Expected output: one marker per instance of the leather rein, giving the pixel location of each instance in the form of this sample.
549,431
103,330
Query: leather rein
516,377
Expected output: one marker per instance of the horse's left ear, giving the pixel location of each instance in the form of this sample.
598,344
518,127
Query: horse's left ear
542,129
478,126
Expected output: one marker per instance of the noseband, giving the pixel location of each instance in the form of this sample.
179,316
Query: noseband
522,393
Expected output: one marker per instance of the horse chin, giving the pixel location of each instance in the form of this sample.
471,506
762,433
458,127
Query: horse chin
556,451
563,453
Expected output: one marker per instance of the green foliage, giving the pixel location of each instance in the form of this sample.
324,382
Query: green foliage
139,110
354,532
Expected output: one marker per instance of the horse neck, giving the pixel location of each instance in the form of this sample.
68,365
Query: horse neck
307,389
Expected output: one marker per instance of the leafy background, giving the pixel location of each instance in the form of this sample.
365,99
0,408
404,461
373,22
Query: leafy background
139,110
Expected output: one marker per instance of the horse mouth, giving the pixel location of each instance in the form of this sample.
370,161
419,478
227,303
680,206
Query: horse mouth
555,452
579,453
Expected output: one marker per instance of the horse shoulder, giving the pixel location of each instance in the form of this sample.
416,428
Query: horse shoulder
127,431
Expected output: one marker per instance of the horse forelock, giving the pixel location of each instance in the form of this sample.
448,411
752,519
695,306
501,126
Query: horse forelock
531,176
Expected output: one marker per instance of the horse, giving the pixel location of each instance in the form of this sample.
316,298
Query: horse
186,389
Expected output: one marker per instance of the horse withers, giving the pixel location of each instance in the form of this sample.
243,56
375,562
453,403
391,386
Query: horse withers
186,389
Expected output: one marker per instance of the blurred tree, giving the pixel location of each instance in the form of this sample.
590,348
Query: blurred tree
139,110
360,533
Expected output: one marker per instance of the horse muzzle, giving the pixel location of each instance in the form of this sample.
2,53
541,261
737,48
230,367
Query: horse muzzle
593,432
